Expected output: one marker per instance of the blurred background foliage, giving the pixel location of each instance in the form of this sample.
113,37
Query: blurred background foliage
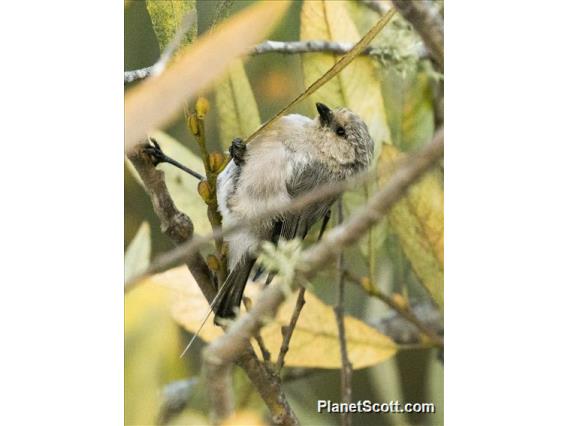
391,256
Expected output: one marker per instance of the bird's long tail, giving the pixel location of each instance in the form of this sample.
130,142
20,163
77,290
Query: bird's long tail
231,292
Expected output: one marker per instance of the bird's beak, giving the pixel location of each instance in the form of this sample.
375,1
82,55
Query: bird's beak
326,115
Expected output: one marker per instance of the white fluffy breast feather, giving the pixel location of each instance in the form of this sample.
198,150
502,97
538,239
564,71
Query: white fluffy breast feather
261,185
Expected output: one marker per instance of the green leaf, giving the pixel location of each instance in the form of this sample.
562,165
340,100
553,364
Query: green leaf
410,106
166,16
418,221
236,106
181,185
357,87
137,256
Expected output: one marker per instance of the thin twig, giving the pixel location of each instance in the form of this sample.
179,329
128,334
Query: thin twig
300,47
266,356
406,313
288,330
187,22
346,366
220,353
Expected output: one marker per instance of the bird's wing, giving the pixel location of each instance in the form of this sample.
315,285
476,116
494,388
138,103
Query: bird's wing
303,180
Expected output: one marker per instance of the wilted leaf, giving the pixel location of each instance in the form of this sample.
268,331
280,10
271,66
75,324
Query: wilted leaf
137,256
237,111
418,221
314,342
357,87
182,186
154,102
166,16
152,348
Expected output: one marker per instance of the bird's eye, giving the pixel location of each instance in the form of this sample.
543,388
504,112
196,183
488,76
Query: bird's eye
340,131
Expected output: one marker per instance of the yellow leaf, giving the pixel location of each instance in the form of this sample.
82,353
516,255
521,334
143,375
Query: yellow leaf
166,16
244,418
237,111
155,101
315,343
137,256
418,221
315,339
182,186
188,305
357,87
151,353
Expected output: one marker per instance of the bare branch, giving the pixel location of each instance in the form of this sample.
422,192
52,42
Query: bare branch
220,353
175,224
269,387
175,396
287,331
296,47
179,228
404,312
346,366
187,22
402,331
427,21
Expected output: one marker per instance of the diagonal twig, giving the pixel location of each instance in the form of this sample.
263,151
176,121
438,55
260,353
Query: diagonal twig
346,366
288,330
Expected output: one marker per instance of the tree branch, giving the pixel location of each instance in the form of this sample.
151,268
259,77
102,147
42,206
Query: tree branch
220,353
403,311
427,21
179,228
293,47
346,366
175,224
287,331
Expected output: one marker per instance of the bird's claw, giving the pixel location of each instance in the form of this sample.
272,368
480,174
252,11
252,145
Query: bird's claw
155,152
237,151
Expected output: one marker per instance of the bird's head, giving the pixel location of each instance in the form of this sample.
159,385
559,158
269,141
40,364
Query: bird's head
344,134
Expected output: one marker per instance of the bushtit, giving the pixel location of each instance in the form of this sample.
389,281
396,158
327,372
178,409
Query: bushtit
294,155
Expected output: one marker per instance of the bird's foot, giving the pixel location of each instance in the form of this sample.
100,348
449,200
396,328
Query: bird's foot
155,152
237,150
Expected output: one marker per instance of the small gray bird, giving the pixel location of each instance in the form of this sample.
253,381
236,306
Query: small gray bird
293,156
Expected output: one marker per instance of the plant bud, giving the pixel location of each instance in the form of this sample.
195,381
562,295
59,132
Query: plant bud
204,190
400,301
216,161
366,283
201,107
192,124
213,262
